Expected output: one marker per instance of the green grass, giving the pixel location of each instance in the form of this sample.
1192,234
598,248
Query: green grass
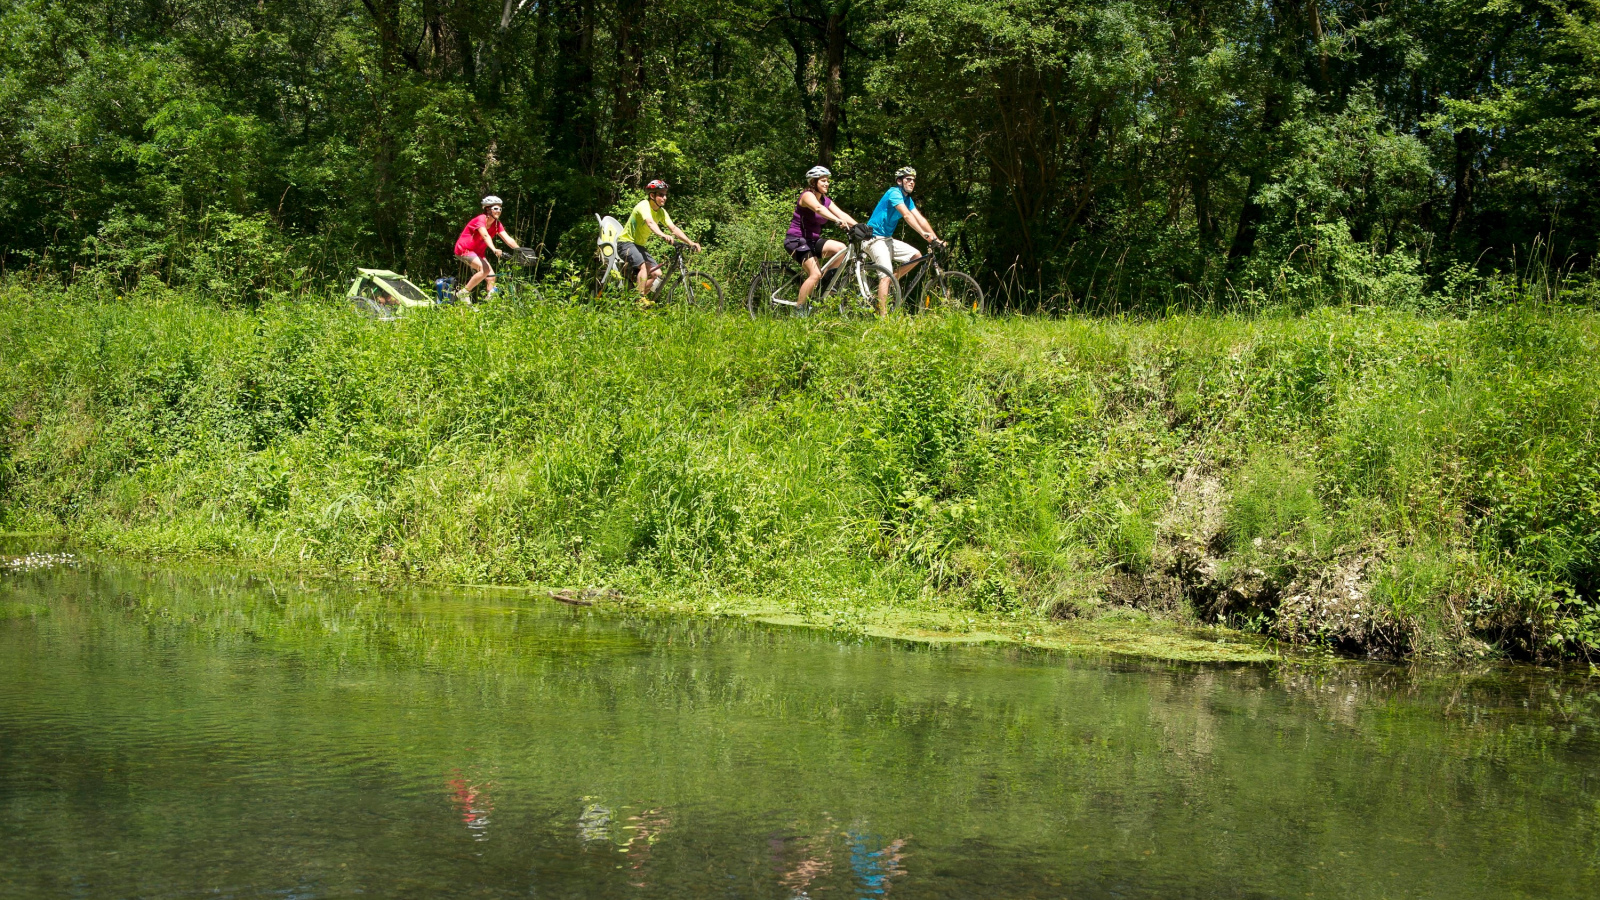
1373,480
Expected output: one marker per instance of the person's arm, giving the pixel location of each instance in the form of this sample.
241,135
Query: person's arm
917,222
832,213
506,236
681,236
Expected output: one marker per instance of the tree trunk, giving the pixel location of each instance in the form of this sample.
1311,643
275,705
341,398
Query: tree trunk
1244,236
834,40
1461,199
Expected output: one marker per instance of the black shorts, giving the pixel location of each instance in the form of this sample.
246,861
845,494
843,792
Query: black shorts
801,249
634,257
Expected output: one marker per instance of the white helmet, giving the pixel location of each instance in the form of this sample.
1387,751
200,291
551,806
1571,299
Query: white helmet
492,200
818,172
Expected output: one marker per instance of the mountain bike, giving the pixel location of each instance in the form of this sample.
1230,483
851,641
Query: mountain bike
930,287
514,284
681,284
849,275
678,283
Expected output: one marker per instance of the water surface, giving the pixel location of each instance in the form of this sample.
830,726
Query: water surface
223,735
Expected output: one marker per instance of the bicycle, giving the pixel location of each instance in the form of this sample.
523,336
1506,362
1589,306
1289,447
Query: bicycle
681,284
850,274
516,290
943,290
677,282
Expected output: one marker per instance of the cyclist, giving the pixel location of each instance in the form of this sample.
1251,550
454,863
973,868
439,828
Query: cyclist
475,242
647,218
887,252
804,241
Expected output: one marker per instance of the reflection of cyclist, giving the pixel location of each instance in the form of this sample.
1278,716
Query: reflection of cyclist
647,218
475,242
874,868
887,252
804,241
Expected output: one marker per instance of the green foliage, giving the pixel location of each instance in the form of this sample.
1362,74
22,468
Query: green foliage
1008,466
1273,499
1083,156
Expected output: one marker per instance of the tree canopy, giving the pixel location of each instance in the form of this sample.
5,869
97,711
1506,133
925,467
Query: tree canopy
1079,149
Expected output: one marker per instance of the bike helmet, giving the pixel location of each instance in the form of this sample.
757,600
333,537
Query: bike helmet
905,172
656,185
816,172
492,200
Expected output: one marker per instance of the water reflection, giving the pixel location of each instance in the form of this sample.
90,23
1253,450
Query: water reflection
874,862
164,735
594,823
643,830
805,860
472,803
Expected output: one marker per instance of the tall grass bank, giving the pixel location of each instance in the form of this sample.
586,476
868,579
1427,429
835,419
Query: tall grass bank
1376,482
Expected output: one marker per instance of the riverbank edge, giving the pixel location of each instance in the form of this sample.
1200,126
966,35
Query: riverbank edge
1373,483
1135,635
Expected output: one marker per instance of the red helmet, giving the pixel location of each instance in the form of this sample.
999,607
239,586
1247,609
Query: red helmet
657,185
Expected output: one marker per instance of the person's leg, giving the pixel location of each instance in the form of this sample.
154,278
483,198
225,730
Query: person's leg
636,259
833,251
813,275
880,252
654,268
906,255
478,267
488,278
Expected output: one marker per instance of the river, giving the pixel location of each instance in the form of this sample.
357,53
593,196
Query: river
213,733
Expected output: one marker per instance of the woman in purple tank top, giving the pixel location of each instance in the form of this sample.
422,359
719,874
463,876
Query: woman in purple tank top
804,241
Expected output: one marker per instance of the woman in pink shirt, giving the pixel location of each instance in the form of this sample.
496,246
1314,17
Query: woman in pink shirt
475,243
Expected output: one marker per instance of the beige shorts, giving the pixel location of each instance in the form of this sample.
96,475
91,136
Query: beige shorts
880,249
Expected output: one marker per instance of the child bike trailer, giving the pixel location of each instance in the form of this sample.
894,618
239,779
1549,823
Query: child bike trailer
383,295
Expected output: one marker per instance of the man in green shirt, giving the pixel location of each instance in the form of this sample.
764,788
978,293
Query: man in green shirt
648,218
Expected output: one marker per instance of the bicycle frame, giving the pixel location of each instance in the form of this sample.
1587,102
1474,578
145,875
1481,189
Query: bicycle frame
836,264
919,276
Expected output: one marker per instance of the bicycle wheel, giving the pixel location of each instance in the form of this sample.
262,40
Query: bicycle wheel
858,289
955,292
368,308
521,296
608,277
774,291
693,289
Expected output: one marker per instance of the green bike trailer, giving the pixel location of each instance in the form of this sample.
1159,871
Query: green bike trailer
383,295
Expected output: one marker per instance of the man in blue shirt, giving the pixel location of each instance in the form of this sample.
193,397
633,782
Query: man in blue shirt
896,204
